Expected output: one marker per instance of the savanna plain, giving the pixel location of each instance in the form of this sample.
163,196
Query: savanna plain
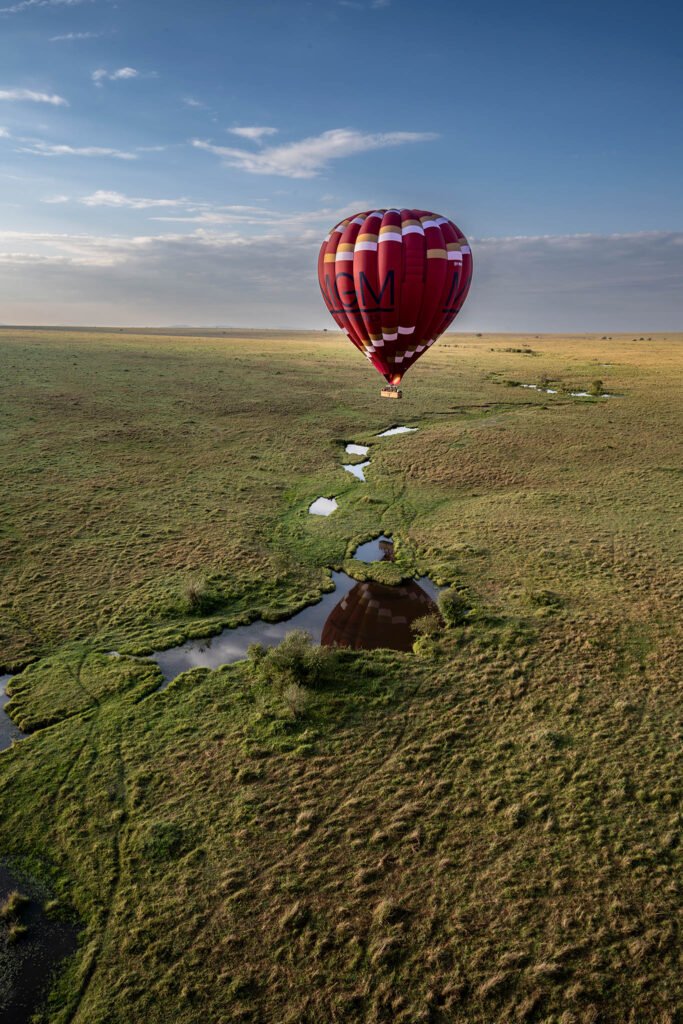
487,829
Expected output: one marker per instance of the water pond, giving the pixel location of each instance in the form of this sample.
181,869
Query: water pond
357,469
323,507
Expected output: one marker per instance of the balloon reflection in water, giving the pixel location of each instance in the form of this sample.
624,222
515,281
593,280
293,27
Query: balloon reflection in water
375,615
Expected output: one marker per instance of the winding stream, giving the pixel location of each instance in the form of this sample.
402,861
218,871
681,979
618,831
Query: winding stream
364,615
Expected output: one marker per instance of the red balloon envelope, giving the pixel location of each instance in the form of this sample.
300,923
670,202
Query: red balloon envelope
394,280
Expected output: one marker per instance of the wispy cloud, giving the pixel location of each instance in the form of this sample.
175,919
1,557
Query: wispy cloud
49,149
31,96
308,157
556,283
257,219
118,200
255,133
24,5
55,200
4,134
69,36
101,75
190,101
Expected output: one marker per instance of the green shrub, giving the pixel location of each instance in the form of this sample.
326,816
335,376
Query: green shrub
199,597
297,660
428,625
297,700
596,388
453,607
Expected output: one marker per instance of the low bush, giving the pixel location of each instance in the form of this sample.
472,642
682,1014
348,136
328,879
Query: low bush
428,625
297,700
295,661
199,597
453,606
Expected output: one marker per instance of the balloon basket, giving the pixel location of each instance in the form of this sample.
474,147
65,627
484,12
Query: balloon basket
391,391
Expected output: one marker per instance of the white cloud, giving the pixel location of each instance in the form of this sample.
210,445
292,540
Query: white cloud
189,101
308,157
33,97
255,133
4,134
24,5
629,282
120,75
46,149
69,36
117,199
53,200
256,218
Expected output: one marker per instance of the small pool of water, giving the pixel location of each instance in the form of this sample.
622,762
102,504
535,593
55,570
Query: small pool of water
27,965
357,449
574,394
381,549
357,469
8,730
323,507
397,430
536,387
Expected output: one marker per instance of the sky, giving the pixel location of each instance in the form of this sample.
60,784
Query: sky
179,163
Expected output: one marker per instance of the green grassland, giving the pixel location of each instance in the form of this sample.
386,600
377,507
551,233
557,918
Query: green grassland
487,830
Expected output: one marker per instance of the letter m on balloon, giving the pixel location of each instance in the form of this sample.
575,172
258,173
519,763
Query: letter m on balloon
373,304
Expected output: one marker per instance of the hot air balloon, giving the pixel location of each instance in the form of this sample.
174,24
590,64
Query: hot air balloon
394,280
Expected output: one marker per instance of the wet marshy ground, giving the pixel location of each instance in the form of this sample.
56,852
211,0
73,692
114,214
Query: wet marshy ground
326,506
32,946
363,615
360,614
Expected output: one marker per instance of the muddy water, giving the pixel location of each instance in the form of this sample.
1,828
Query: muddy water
8,730
28,964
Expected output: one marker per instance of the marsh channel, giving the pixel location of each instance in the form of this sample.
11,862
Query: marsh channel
360,614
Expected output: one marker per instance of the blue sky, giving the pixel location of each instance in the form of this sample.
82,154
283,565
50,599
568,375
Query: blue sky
179,162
